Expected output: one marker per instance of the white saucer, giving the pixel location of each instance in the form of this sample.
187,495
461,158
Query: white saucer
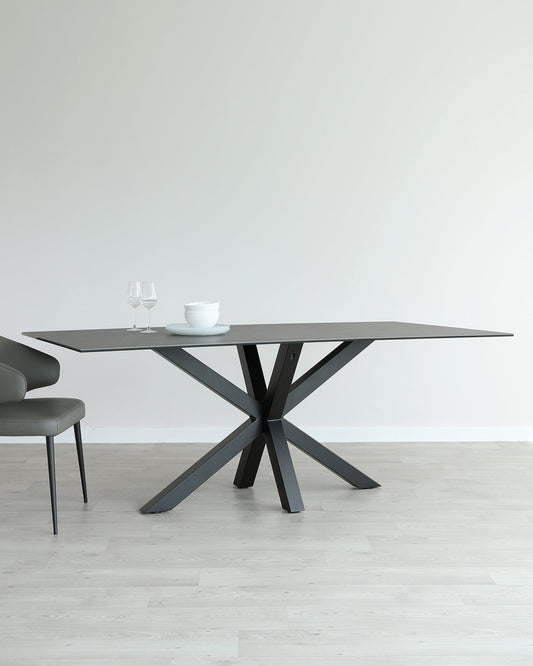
185,329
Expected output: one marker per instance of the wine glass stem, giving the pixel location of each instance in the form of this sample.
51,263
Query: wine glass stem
149,317
134,317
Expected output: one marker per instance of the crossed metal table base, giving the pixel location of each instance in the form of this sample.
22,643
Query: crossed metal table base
266,407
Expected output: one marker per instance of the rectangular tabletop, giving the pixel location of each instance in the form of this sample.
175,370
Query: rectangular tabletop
117,339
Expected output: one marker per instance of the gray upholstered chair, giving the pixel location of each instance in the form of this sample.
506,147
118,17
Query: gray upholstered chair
22,369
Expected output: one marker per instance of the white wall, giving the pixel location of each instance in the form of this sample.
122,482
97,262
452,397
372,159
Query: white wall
297,159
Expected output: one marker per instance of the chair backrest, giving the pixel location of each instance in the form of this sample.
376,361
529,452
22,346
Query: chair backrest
38,368
12,384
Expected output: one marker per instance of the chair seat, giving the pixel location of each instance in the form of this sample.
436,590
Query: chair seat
40,416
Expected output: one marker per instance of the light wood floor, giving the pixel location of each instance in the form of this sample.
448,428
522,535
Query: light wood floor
433,568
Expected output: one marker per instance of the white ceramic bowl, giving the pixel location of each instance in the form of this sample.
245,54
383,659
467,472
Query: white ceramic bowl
202,306
201,318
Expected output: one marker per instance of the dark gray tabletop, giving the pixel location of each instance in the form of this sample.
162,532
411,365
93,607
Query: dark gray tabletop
116,339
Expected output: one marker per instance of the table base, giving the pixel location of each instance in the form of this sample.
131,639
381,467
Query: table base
266,407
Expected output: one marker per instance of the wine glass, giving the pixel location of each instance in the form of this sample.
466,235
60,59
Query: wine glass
133,298
148,299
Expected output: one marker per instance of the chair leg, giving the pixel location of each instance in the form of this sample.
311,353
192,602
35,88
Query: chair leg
79,449
52,478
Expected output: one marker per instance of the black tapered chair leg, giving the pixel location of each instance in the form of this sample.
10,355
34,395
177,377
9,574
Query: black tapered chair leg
79,449
52,477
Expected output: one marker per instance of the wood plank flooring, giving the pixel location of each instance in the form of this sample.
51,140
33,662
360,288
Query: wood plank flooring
435,568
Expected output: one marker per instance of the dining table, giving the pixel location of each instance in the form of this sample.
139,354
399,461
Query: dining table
265,401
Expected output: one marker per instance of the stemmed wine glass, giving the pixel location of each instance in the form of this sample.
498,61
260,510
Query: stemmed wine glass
148,299
133,298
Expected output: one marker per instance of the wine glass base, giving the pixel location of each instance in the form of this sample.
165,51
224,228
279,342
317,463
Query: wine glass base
135,329
148,330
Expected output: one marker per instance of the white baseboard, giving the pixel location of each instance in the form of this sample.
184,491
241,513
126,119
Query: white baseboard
321,433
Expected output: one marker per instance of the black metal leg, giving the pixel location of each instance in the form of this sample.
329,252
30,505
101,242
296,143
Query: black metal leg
327,458
249,463
323,370
284,474
280,383
210,378
203,469
256,387
52,478
252,371
79,449
278,450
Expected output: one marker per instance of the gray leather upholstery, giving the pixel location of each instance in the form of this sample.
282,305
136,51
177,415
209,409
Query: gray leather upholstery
40,416
39,368
12,384
22,369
